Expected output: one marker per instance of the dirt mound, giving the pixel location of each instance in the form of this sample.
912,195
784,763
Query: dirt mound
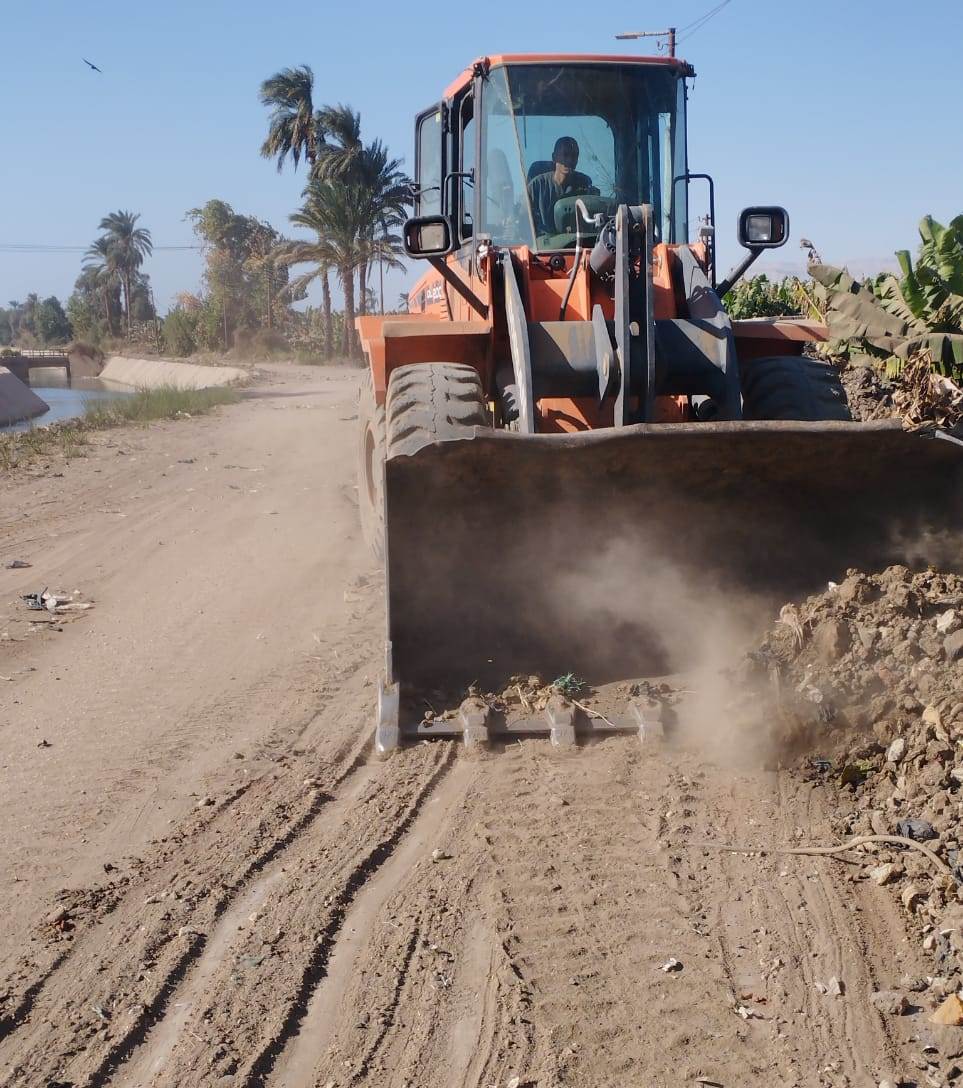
917,395
865,688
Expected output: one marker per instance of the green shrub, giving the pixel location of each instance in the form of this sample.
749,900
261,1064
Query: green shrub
180,332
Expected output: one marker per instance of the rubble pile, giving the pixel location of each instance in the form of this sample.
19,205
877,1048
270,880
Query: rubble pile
866,678
868,391
918,395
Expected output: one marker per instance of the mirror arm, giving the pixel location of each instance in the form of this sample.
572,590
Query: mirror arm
441,266
737,273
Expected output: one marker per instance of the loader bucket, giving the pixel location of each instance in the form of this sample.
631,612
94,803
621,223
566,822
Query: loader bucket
513,554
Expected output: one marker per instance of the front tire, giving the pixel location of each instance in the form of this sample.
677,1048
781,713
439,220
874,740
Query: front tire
793,387
432,402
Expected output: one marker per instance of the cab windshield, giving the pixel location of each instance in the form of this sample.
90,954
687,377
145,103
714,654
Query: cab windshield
602,135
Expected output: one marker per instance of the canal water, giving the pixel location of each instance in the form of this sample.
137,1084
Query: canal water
67,401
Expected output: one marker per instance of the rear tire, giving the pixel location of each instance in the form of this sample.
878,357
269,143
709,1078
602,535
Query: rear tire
432,402
371,468
793,387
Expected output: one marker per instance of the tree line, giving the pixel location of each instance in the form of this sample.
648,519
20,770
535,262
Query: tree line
110,294
353,203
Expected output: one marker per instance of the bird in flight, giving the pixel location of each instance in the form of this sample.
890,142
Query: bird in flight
89,65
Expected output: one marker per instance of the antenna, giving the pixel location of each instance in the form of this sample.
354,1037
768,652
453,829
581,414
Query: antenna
669,35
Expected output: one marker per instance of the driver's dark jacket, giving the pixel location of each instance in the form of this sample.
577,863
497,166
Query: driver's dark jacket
544,191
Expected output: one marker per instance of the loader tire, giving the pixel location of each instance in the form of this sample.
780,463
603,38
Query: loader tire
431,402
371,468
793,387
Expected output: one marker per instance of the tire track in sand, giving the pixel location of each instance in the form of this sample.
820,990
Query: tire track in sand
251,1004
298,1063
129,957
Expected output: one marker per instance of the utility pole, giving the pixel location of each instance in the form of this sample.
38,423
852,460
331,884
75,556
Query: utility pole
669,35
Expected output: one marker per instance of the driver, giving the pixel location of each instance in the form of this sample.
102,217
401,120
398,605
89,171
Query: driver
563,180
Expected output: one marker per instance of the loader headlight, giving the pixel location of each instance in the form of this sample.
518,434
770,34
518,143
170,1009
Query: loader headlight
763,228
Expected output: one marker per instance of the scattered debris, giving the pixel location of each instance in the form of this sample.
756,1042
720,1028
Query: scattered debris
44,601
568,685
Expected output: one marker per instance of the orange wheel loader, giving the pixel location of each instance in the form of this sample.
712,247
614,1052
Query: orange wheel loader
567,408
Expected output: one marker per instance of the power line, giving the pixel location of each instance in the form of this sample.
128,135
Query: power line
697,24
41,247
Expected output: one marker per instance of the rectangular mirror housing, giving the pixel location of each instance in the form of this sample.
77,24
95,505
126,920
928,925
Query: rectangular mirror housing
763,227
427,236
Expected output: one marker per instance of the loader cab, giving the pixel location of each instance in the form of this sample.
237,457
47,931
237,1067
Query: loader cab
486,157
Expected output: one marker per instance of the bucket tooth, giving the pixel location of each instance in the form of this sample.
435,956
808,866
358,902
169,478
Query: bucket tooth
473,714
561,722
648,714
388,729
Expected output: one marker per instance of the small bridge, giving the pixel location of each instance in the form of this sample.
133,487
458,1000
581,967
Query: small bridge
29,359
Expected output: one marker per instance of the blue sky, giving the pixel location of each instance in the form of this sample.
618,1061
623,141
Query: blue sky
846,113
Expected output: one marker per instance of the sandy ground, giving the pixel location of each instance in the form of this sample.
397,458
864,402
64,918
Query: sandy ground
207,879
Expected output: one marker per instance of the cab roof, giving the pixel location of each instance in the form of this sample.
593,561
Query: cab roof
496,59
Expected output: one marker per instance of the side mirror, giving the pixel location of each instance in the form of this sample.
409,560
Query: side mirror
427,236
763,228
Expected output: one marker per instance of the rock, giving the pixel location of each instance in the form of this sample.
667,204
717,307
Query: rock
671,964
919,830
946,621
913,984
889,1002
56,916
18,564
953,645
204,802
831,640
911,896
950,1013
835,987
896,751
883,874
931,717
515,1082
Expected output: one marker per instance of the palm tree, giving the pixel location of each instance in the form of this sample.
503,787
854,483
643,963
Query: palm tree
341,148
387,194
129,245
386,249
331,210
101,267
384,189
296,129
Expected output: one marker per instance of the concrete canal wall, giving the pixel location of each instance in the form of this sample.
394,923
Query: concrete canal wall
160,373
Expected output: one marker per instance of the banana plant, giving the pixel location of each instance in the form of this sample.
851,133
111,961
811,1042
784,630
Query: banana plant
894,318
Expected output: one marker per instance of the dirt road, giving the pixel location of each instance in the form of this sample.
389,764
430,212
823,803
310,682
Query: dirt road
207,880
